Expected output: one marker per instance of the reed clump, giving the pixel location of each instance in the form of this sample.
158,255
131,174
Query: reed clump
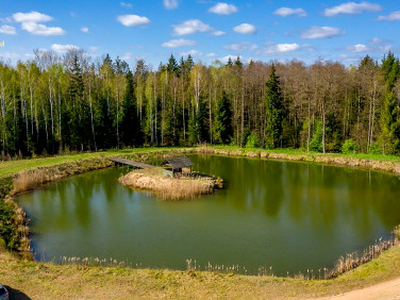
182,187
32,178
353,260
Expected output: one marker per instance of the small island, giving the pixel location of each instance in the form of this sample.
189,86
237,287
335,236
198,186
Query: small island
175,180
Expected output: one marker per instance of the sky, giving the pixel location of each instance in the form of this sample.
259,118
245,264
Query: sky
264,30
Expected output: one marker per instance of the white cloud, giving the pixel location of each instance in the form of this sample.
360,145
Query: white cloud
358,48
223,9
378,41
245,28
352,8
40,29
127,56
9,55
30,55
218,32
390,17
191,26
178,43
378,46
272,48
191,53
63,48
7,29
94,48
321,32
212,54
133,20
286,11
6,20
85,29
170,4
241,46
29,22
126,5
32,17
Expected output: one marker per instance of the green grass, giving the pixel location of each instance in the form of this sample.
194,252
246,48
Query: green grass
391,158
11,167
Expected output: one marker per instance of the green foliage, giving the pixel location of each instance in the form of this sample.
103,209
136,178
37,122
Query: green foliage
52,106
223,130
8,230
375,149
274,110
252,141
350,147
390,135
198,127
316,141
131,131
6,184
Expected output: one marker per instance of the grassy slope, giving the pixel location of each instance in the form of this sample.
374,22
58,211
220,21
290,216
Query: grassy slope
39,280
46,281
10,167
302,152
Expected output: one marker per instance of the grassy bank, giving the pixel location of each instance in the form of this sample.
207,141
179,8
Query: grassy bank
49,281
46,280
366,161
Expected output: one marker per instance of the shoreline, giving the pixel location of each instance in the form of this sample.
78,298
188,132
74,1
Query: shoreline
55,172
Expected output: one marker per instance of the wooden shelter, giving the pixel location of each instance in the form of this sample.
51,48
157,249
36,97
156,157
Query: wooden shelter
174,165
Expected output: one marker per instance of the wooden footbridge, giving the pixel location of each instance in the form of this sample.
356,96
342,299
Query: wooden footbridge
119,161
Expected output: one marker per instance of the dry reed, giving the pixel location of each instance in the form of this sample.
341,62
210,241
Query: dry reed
184,187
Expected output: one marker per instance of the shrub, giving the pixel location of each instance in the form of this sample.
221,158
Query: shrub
252,141
316,141
375,149
350,147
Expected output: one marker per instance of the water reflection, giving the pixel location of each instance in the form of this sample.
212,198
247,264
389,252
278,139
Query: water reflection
290,215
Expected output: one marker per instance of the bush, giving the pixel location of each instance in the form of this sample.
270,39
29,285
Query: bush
375,149
252,141
316,141
350,147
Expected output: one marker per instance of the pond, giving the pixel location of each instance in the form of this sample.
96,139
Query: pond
291,216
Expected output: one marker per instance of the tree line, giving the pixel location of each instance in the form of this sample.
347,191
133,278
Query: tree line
55,104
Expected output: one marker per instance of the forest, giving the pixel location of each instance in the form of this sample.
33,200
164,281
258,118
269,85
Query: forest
55,104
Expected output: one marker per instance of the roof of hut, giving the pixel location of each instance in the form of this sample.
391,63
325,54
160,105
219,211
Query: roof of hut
178,162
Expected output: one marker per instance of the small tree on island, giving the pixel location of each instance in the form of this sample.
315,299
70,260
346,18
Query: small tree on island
274,110
223,130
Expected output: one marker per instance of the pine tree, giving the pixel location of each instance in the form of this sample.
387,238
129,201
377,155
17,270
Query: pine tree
198,127
390,135
77,108
274,110
172,66
223,121
131,132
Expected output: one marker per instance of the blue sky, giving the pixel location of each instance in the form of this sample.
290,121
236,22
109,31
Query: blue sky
260,30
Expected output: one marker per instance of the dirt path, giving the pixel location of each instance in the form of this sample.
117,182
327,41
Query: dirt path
385,290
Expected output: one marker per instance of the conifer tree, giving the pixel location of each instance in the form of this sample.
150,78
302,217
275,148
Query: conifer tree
274,108
223,121
390,135
131,133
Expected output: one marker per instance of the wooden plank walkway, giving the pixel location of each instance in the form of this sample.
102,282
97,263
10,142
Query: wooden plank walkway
128,162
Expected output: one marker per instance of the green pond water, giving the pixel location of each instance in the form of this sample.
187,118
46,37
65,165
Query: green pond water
292,216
